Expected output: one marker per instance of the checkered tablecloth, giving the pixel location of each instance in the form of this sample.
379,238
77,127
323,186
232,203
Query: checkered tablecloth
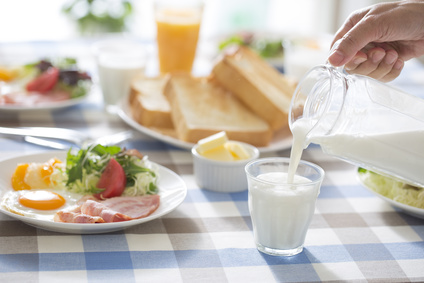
354,236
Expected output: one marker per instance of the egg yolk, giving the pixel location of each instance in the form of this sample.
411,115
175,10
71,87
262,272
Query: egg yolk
18,177
42,200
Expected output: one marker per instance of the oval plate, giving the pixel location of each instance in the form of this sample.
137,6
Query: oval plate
279,142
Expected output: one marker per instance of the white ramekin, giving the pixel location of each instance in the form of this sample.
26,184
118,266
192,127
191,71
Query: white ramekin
222,176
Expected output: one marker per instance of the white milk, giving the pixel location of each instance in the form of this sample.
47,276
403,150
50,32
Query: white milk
399,154
115,74
299,130
281,214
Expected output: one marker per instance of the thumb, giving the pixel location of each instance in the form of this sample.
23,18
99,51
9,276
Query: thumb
354,40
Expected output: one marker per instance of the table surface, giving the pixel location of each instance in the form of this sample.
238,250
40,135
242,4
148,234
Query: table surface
354,235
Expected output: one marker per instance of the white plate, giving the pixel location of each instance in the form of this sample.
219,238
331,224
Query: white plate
411,210
44,106
172,191
280,140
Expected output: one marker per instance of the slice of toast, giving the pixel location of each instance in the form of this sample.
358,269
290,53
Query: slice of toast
257,84
200,107
149,106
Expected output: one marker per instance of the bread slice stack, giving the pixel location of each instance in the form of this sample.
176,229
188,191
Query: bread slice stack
149,106
257,84
200,107
244,96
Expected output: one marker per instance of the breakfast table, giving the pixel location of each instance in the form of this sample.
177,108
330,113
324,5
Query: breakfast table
354,236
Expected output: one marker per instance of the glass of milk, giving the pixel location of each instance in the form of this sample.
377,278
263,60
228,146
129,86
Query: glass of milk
118,62
281,212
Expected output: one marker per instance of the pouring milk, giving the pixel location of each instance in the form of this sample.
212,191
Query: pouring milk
359,120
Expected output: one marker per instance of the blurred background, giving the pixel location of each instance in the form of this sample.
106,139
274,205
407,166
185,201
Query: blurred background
306,27
27,20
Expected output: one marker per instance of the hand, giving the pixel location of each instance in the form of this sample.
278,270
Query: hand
377,40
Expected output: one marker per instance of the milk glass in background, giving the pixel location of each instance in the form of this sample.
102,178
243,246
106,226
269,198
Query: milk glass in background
178,26
118,62
281,212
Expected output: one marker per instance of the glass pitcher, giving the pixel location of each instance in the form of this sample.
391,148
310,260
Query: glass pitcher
362,121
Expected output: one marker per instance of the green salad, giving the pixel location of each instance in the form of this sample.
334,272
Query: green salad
62,74
393,189
266,47
107,171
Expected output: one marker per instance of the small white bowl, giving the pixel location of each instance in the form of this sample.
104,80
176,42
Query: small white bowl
222,176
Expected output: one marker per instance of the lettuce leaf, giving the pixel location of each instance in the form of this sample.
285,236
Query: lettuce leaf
85,167
392,189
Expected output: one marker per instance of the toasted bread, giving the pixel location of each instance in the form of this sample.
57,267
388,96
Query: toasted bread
200,107
257,84
149,106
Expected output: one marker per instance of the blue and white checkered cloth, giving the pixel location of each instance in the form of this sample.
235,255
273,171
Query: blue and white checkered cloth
354,235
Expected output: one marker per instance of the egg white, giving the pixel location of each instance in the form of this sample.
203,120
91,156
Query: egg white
11,203
34,179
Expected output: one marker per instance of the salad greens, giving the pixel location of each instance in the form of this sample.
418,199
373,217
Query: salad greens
84,168
266,48
69,79
392,189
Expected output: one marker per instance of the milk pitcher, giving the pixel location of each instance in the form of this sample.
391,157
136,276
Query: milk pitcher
362,121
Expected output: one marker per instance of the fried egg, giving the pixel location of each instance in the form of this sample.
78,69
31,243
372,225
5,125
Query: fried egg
40,204
39,191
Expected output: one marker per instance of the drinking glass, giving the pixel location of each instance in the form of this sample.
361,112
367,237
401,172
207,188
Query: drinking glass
178,25
281,212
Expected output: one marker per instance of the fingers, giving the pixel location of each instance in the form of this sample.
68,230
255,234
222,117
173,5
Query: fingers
359,58
350,22
394,72
374,58
381,64
359,30
385,66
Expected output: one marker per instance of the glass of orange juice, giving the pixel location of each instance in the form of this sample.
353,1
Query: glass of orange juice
178,25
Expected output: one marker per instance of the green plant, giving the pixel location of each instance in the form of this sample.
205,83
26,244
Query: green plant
99,16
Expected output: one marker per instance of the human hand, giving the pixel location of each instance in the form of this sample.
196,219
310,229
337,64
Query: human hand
377,40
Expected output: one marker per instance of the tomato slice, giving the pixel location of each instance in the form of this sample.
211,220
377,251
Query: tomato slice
44,82
112,180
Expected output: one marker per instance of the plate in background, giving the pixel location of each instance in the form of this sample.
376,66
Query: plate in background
279,142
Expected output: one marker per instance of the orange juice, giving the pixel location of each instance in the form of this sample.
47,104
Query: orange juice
177,36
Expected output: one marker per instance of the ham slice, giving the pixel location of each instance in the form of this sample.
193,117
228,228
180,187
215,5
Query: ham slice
75,217
122,208
111,210
33,98
134,207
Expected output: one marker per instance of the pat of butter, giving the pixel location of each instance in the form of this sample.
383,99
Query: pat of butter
237,150
212,142
218,153
218,147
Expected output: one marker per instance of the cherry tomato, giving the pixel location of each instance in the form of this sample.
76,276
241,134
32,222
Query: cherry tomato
44,82
113,180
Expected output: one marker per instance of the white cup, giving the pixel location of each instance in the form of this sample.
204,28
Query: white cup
281,211
118,62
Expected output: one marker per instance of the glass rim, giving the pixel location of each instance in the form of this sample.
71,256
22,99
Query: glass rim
179,5
286,160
